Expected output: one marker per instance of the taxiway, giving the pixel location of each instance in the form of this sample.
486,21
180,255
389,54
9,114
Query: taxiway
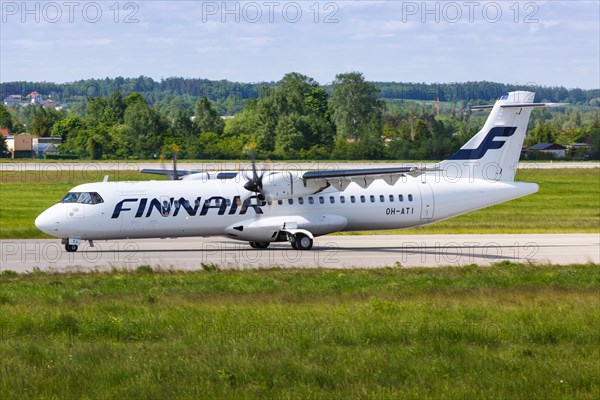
359,251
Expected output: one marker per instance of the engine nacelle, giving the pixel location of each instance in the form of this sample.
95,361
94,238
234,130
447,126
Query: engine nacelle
285,185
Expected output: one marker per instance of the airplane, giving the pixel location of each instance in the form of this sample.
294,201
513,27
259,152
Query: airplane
297,206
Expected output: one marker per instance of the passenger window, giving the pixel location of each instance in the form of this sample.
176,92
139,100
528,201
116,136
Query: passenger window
300,200
332,199
401,198
311,200
280,202
381,198
352,199
391,198
321,200
342,199
372,197
291,202
410,198
362,199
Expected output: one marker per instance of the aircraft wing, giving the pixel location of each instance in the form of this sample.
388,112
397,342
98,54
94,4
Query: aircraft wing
340,179
167,172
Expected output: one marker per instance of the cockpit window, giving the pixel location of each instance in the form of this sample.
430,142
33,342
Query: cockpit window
83,198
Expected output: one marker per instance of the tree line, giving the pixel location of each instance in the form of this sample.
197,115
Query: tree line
230,97
295,118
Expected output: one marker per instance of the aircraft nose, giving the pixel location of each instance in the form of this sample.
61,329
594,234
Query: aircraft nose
47,223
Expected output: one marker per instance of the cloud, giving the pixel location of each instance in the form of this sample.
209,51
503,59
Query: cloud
383,39
88,42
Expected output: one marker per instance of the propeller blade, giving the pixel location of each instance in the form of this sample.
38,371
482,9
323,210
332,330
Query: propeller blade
174,176
255,184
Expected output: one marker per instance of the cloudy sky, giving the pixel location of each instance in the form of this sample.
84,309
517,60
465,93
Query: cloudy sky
540,42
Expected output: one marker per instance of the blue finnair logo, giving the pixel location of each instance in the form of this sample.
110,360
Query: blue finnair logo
487,144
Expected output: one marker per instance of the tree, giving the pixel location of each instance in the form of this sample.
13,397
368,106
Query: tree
355,109
292,118
291,92
6,120
594,135
39,122
315,101
89,143
182,132
206,118
134,98
95,110
146,130
3,148
66,127
288,136
114,110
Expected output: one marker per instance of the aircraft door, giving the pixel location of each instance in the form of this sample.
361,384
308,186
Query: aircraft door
165,206
427,199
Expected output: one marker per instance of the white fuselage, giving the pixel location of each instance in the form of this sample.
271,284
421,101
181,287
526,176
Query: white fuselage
148,209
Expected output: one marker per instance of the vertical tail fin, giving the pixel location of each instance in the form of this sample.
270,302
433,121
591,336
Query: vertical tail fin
493,153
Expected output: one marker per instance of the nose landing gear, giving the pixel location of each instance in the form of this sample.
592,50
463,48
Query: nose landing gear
71,245
71,248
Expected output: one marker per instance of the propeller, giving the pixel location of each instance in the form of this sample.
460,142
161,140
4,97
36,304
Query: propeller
255,184
173,176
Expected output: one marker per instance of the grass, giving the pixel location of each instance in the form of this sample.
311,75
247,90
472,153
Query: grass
568,202
507,331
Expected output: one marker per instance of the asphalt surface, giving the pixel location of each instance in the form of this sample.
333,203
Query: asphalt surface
360,251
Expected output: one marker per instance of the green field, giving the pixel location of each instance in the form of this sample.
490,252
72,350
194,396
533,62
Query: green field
568,202
502,332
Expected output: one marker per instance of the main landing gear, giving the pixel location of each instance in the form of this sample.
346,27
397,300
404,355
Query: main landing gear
299,241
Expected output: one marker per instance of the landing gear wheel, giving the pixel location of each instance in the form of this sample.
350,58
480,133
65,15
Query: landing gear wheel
302,242
293,243
71,248
259,245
